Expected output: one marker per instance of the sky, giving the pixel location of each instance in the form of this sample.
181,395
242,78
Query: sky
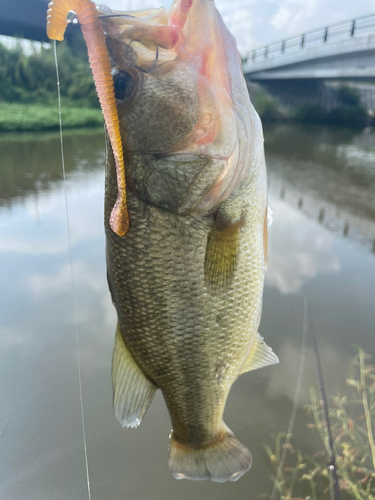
255,23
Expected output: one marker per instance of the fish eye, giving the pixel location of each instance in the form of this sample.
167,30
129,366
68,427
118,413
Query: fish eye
124,84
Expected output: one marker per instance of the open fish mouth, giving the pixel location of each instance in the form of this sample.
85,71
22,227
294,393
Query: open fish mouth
218,121
150,27
208,117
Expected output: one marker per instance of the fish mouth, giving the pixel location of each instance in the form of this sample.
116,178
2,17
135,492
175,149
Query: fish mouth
148,30
182,157
192,33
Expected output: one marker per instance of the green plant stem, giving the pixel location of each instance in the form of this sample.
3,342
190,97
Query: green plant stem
365,405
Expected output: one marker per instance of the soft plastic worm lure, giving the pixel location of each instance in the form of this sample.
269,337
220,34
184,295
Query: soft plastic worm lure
92,30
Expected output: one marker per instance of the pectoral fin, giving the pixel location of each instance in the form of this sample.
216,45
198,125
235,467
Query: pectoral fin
132,391
260,355
221,251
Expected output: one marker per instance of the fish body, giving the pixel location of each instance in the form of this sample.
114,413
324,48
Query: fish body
187,277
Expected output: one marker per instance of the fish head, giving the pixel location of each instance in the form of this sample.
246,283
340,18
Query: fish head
181,96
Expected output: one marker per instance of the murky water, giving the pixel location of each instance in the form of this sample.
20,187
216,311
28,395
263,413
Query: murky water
321,246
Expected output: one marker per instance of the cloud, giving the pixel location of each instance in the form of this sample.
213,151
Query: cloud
136,4
11,338
61,281
299,249
239,18
38,225
292,15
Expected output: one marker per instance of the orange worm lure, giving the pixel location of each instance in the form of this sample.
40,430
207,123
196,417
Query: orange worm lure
92,30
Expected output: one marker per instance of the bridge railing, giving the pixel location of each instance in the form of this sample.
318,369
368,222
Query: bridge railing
332,33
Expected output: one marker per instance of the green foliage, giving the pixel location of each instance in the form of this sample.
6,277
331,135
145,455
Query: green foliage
349,113
311,114
20,117
267,107
32,79
352,424
349,96
346,116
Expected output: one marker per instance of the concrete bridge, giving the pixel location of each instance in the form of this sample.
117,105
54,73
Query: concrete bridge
343,50
24,19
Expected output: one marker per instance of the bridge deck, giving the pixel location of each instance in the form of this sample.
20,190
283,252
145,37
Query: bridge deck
345,50
24,19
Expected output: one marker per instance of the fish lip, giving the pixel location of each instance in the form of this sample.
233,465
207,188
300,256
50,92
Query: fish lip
179,156
108,16
172,156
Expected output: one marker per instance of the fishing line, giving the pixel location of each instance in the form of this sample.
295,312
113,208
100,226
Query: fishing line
323,395
105,16
297,393
72,279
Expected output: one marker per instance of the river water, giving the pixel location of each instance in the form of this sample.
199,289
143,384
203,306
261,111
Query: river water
322,251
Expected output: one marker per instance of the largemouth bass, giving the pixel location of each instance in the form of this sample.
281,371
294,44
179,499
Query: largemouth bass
187,277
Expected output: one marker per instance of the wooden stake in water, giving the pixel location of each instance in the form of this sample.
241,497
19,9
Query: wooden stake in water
72,281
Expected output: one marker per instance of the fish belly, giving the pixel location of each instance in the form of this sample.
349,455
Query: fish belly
189,338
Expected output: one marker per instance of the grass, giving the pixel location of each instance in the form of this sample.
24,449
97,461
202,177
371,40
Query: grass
345,115
16,117
31,79
352,418
267,107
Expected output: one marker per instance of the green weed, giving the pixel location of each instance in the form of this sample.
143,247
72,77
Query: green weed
20,117
352,418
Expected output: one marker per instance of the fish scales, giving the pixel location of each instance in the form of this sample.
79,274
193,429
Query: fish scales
187,277
188,338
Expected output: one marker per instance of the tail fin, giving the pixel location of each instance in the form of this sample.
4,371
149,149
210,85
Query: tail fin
223,460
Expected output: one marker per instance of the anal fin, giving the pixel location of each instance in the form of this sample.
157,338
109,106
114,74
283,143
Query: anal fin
132,391
260,355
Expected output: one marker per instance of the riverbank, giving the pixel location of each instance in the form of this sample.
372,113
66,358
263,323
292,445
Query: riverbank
17,117
347,112
315,102
28,90
28,99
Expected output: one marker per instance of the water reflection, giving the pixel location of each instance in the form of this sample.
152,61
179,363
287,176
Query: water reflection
328,174
41,452
31,163
304,254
